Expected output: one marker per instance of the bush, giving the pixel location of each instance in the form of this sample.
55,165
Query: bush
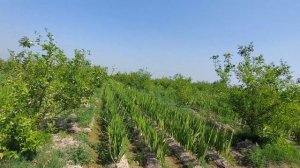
256,158
12,163
35,89
277,153
85,115
281,152
81,155
50,158
45,158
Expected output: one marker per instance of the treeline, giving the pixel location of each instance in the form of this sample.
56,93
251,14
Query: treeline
36,88
181,91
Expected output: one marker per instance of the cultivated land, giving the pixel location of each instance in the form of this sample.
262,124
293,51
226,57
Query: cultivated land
57,111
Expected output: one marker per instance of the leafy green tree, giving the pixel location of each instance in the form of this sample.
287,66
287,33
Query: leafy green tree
262,96
139,79
19,132
36,88
79,79
223,70
39,71
183,89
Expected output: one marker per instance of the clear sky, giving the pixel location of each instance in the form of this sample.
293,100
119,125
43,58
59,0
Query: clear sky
164,36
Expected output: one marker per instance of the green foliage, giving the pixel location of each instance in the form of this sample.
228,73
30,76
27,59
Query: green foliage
117,138
277,153
281,152
46,157
81,154
139,79
18,130
184,126
262,97
223,70
118,101
85,115
36,87
256,158
115,141
13,163
183,89
79,80
52,158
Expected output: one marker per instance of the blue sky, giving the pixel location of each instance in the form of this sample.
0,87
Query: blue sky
164,36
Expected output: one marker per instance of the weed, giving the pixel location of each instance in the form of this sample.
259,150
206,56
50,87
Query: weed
81,155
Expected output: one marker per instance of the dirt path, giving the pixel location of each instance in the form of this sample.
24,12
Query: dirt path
94,139
173,162
186,159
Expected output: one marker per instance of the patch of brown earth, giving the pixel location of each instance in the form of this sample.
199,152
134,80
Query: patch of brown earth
123,162
133,156
76,129
239,152
216,159
149,159
186,158
62,143
94,139
172,162
71,165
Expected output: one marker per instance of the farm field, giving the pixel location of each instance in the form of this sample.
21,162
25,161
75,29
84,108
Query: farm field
57,111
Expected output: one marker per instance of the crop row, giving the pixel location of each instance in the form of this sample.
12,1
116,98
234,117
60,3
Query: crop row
121,118
128,109
194,134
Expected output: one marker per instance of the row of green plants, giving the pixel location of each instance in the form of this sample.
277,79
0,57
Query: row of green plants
113,127
38,85
189,130
251,94
121,119
208,99
153,138
194,134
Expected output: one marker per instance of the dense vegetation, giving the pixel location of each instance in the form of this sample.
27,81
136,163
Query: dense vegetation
35,89
40,85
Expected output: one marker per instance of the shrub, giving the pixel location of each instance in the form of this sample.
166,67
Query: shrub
81,155
281,152
256,158
277,153
45,158
19,163
85,115
35,89
50,158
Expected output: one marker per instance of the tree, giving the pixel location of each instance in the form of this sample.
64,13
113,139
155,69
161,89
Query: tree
223,70
261,97
139,79
36,87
